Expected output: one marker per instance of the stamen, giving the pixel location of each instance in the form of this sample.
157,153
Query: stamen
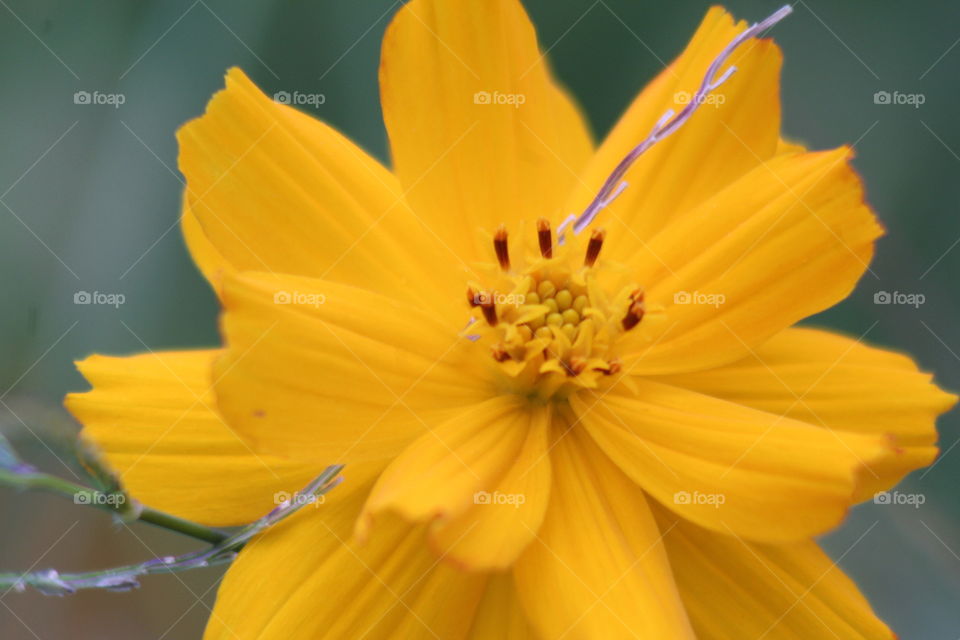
575,367
593,248
489,309
472,298
614,367
634,316
561,334
545,238
500,246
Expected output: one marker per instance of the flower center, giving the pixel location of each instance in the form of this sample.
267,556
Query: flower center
550,326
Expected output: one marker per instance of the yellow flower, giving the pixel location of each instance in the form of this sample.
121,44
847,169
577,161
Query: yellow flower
619,435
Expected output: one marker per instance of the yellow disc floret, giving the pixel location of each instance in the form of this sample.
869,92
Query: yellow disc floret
550,327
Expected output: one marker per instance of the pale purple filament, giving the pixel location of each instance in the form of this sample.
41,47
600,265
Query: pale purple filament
667,124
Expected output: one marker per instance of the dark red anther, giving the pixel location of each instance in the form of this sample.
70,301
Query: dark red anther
545,238
575,367
473,299
500,353
500,246
613,367
489,309
594,246
634,316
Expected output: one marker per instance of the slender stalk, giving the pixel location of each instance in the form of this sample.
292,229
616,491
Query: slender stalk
223,550
116,503
186,527
614,185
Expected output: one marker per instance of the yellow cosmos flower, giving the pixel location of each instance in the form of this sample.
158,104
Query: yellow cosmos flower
613,433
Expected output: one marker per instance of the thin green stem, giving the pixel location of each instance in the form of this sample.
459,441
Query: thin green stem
52,582
110,497
186,527
116,503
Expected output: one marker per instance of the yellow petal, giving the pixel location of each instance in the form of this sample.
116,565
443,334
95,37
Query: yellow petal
502,520
467,158
734,132
735,589
597,568
208,259
729,467
275,190
437,475
787,240
154,418
499,614
838,383
306,580
334,373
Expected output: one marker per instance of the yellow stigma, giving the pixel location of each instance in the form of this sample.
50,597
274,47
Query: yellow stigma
549,325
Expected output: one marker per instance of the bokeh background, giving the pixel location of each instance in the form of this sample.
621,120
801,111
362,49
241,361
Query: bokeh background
89,201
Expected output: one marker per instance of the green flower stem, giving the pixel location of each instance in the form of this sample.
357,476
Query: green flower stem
186,527
117,503
223,550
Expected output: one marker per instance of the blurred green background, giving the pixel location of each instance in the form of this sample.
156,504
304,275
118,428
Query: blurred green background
89,201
